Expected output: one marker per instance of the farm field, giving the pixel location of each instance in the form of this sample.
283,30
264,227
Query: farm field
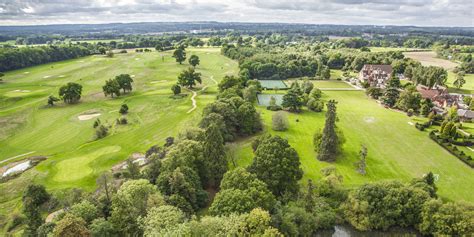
75,159
396,150
387,49
428,58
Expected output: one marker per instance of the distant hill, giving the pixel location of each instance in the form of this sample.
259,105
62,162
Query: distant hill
210,26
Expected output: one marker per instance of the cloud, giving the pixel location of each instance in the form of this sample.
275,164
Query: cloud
395,12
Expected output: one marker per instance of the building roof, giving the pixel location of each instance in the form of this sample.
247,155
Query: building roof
465,113
428,93
382,67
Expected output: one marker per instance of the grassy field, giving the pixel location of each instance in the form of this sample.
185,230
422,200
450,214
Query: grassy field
467,88
396,149
75,159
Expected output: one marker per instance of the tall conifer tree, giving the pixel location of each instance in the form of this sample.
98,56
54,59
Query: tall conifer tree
329,140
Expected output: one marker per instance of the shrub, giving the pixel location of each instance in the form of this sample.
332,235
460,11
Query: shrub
315,105
96,123
101,131
122,120
176,89
123,109
274,107
279,121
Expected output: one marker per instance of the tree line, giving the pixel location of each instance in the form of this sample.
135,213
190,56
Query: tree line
16,58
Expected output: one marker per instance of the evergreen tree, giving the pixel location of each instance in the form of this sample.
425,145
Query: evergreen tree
292,99
394,82
214,154
361,164
426,106
329,141
390,96
33,197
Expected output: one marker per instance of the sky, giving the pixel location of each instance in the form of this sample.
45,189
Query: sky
347,12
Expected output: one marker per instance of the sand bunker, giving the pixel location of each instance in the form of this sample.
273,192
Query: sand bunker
411,123
88,116
62,75
26,72
46,76
22,91
18,168
132,76
369,119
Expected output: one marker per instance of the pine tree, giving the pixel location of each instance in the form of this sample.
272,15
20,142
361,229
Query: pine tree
329,141
309,196
390,96
214,154
292,99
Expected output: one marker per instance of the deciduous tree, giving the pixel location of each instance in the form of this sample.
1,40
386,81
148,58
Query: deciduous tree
71,92
277,164
180,55
194,60
189,77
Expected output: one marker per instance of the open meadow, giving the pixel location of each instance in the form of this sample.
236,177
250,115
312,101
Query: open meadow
64,133
396,149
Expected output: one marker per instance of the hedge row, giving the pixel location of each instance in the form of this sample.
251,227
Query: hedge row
452,149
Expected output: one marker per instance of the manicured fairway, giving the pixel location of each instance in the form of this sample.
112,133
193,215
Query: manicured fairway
75,159
396,149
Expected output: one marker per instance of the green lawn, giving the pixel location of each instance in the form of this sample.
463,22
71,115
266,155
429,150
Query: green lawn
397,150
467,88
75,159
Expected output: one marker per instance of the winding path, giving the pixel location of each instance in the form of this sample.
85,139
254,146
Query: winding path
193,98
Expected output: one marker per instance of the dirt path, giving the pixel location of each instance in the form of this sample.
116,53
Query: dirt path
11,158
193,97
